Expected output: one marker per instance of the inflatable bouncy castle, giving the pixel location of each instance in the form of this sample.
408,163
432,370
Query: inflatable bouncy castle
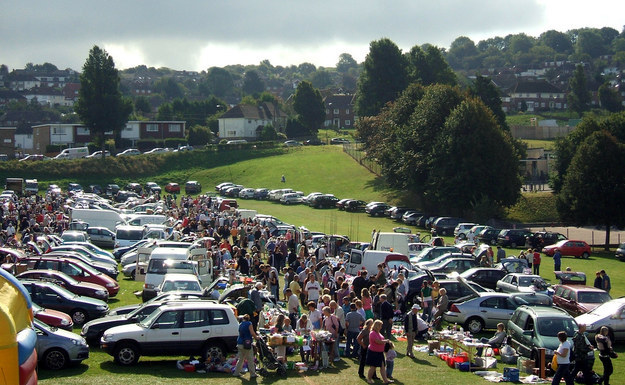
18,359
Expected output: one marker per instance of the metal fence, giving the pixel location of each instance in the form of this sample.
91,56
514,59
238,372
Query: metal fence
355,151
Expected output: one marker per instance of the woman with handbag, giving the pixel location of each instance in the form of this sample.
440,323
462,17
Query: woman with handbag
562,356
245,348
604,345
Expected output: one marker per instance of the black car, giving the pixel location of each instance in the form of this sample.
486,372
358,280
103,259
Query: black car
111,190
488,235
484,276
341,204
355,205
397,212
51,296
74,187
324,201
540,239
134,187
445,225
261,193
377,209
192,187
313,142
513,237
94,189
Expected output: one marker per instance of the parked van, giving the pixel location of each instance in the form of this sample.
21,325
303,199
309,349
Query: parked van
395,242
73,153
146,219
32,187
166,260
370,259
128,235
98,218
247,214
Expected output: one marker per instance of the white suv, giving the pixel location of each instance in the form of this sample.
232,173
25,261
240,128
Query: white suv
185,329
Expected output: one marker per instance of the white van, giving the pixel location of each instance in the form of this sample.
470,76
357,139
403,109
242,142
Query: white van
395,242
370,259
247,214
98,218
128,235
73,153
166,260
146,219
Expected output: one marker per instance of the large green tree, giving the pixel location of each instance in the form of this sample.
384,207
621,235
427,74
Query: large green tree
594,185
578,96
345,63
100,105
484,89
610,98
426,65
308,104
252,83
383,78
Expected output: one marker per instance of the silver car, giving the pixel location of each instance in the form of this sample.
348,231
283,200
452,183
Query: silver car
58,348
526,283
486,310
610,314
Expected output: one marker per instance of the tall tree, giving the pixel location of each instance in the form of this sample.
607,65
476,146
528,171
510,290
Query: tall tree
321,79
383,78
426,65
610,98
578,96
142,105
484,89
308,104
252,83
594,186
100,104
345,63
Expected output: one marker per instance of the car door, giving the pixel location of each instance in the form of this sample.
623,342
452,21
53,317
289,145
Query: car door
494,310
49,298
196,328
355,262
204,266
163,336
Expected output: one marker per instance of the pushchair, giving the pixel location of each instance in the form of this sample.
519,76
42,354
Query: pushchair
268,360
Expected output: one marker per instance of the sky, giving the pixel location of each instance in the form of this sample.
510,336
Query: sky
196,35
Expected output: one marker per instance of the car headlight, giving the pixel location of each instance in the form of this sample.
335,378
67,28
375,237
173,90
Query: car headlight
64,322
101,292
102,308
110,284
107,337
77,342
84,330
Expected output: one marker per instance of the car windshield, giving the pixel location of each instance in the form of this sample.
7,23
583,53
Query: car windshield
161,266
550,327
593,297
181,285
148,320
132,235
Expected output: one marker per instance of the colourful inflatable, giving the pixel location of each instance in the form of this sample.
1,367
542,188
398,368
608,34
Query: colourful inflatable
18,358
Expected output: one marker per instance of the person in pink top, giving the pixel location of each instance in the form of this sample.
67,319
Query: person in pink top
375,353
367,303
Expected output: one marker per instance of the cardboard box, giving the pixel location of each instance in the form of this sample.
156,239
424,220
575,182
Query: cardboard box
434,345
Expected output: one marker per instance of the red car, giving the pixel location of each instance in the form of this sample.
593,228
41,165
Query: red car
569,247
80,288
579,299
172,188
53,317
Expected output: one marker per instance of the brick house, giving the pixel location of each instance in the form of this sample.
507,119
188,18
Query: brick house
538,95
339,110
245,121
136,130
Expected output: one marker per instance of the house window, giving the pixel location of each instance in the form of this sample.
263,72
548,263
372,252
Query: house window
82,131
347,111
58,130
348,123
231,134
151,127
175,128
336,111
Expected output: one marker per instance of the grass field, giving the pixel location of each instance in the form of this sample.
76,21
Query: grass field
324,169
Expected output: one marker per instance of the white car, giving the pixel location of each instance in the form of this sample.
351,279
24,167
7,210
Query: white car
98,154
179,282
308,197
129,152
291,198
157,150
247,193
187,328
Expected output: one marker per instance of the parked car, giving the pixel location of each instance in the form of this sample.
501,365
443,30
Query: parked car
579,299
355,205
486,310
577,249
517,282
222,185
620,252
457,288
157,150
433,252
49,295
111,190
338,141
291,198
247,193
123,196
341,203
134,187
192,187
292,143
74,187
313,142
445,225
462,229
57,349
485,276
534,327
261,193
200,328
59,278
451,265
34,157
129,152
410,217
101,236
513,238
397,212
74,236
323,201
172,188
179,282
441,258
233,191
376,210
98,154
540,239
51,317
488,235
610,314
152,187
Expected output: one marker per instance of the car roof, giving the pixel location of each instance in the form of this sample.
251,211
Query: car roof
581,288
546,310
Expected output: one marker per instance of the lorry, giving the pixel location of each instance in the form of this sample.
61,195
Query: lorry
16,185
73,153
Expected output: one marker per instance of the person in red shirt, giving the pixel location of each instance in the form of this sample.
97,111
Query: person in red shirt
536,262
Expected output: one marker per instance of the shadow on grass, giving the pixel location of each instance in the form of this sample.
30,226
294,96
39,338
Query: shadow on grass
400,196
157,368
72,370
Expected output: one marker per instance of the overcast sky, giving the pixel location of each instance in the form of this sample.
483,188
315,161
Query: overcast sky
196,35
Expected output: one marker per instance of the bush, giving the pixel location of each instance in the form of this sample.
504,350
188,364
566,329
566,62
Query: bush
175,142
53,148
144,145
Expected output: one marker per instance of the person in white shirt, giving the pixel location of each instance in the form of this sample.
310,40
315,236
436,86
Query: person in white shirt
292,305
563,354
312,288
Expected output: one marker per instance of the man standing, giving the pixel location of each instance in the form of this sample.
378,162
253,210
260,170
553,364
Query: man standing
386,315
296,288
258,303
607,285
360,283
292,306
312,288
353,322
598,281
411,328
557,260
581,348
501,254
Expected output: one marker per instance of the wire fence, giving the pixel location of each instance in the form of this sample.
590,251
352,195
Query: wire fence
355,151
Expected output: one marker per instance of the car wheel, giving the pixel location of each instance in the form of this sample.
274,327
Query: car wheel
474,325
126,354
133,274
78,316
585,255
213,350
55,359
513,245
286,202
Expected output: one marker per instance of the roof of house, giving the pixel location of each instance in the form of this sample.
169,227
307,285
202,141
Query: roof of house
339,100
263,111
9,94
538,86
43,91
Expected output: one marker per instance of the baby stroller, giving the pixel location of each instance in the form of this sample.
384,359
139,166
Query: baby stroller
268,360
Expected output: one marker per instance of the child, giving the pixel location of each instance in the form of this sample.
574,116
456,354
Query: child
390,359
360,310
